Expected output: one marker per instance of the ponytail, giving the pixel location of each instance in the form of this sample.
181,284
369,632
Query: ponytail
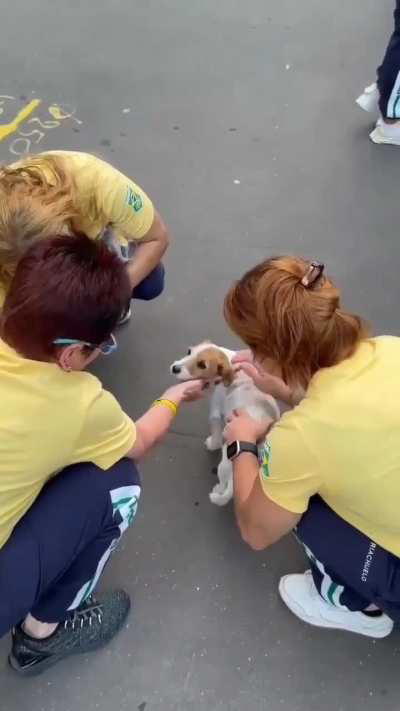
287,310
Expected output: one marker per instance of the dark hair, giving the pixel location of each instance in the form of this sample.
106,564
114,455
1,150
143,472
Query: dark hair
299,324
64,287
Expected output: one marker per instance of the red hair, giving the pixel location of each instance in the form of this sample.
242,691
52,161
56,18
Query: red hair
300,327
64,287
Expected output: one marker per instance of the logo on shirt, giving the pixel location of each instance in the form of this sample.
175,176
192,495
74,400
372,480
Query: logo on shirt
134,200
265,456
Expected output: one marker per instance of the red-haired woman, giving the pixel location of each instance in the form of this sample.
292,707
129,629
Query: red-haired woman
69,486
330,468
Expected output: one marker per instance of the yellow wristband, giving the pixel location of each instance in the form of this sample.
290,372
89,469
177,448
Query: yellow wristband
166,403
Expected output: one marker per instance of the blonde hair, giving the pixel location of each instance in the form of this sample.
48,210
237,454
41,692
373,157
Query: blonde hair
299,324
37,200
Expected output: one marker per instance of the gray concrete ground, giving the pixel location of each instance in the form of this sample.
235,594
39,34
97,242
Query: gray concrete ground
191,97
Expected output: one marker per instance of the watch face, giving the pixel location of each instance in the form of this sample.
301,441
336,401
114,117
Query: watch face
232,450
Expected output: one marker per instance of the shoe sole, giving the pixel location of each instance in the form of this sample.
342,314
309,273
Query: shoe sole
35,669
325,624
380,139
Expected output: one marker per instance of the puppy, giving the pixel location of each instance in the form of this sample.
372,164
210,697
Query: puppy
230,391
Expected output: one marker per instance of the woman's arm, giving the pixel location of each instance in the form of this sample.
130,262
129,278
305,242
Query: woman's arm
267,383
149,251
155,423
260,520
127,209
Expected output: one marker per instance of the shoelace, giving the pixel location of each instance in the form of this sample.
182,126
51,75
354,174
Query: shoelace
85,615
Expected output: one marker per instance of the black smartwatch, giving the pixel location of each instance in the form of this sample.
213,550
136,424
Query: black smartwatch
235,448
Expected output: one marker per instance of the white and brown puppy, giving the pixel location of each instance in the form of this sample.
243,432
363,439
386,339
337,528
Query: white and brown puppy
232,391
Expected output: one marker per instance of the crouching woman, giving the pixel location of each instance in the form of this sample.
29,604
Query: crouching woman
69,486
330,470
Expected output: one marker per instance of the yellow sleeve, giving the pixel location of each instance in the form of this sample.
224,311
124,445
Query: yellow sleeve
288,473
107,434
120,201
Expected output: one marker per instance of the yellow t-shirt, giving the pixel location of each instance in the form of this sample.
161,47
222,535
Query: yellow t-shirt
343,442
48,420
104,196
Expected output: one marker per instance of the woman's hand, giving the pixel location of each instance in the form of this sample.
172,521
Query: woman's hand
264,381
244,356
243,427
189,391
155,423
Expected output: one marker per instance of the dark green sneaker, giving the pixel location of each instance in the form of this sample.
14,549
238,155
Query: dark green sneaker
86,629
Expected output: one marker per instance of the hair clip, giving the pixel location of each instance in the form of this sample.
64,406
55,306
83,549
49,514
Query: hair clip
313,273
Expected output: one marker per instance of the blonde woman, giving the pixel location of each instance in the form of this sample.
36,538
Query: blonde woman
63,191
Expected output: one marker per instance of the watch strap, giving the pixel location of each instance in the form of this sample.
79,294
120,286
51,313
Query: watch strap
241,447
249,447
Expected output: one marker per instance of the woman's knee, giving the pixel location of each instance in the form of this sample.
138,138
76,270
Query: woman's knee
93,494
124,492
152,286
123,473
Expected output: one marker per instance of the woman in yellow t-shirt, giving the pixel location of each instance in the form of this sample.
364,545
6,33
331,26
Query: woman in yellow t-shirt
330,468
69,487
63,191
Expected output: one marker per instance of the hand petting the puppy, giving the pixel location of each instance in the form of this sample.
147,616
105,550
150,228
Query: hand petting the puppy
188,391
264,381
245,356
155,423
241,426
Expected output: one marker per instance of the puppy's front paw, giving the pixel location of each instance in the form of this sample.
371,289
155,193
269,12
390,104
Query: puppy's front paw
212,444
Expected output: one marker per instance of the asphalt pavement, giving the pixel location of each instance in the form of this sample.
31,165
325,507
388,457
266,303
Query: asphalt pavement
239,120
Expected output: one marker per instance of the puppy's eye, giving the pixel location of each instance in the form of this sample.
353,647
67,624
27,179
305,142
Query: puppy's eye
189,351
201,364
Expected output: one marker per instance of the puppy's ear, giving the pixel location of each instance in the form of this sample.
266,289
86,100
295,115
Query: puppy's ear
213,363
225,371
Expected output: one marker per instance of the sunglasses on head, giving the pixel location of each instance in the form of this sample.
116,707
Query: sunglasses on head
107,347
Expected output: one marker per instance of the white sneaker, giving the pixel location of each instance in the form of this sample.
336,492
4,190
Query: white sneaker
386,133
300,595
369,99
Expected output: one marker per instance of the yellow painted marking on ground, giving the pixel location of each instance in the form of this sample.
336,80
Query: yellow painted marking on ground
56,112
59,113
6,129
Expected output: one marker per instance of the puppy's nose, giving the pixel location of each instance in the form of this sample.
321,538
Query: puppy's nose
176,369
